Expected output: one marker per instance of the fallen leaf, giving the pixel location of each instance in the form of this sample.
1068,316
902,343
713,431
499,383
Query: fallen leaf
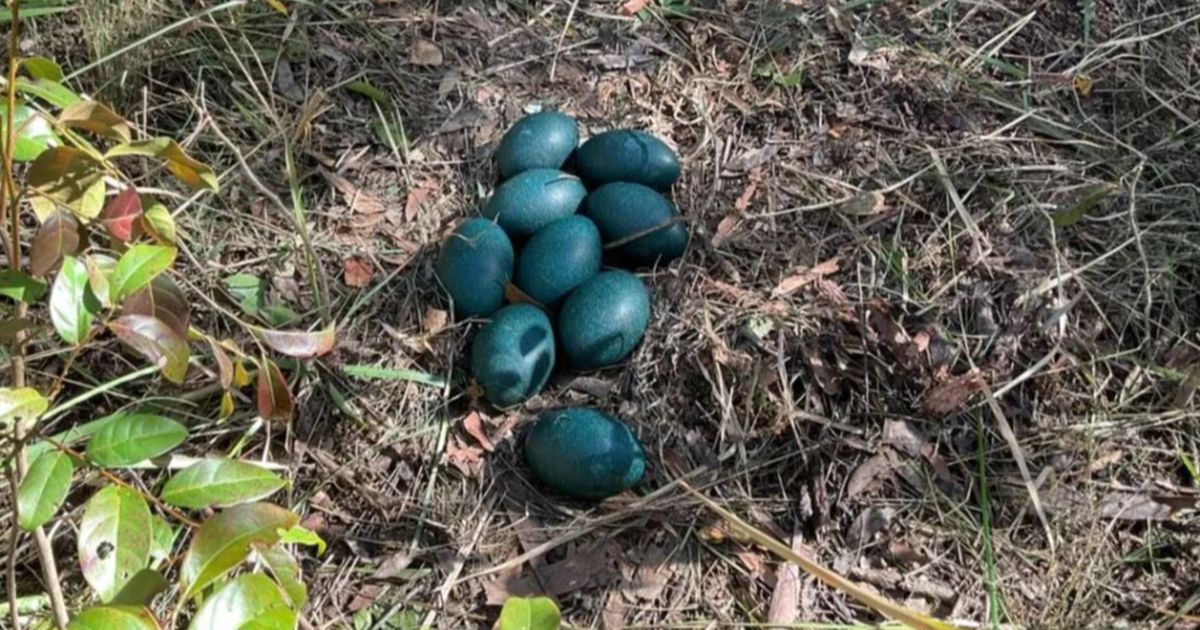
474,425
756,565
1134,507
901,436
869,522
725,230
365,597
467,459
785,599
358,272
868,474
632,7
417,198
805,277
743,201
392,567
434,321
423,52
950,395
358,200
653,575
864,205
584,568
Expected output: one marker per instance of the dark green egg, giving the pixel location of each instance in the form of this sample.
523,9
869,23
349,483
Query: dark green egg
584,453
513,355
626,155
475,266
542,140
623,210
603,320
534,199
559,257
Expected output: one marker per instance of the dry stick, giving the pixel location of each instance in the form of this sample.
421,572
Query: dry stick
8,195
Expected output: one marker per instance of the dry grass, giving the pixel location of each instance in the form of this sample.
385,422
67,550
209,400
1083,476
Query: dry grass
813,413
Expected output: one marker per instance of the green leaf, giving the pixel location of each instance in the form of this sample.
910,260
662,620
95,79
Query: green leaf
21,286
52,92
158,222
43,68
23,404
100,268
249,601
97,118
35,134
137,267
44,489
219,483
58,236
1078,211
301,344
114,539
303,536
163,539
141,589
182,166
155,340
222,542
134,439
286,570
371,92
538,613
73,306
66,177
247,290
114,618
278,315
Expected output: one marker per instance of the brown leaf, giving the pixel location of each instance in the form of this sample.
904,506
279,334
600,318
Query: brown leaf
752,182
725,230
358,272
365,597
57,237
785,599
467,459
434,321
1134,507
901,436
584,568
417,198
864,205
163,299
359,201
96,118
805,277
951,395
273,396
122,211
156,341
875,469
301,344
224,364
423,52
756,564
393,566
474,425
632,7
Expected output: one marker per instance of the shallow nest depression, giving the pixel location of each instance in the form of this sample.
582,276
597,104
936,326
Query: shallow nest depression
942,253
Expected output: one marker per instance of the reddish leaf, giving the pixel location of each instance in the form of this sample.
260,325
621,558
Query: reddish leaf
162,299
358,272
224,364
950,396
725,230
805,277
274,398
743,201
474,425
298,343
57,237
120,214
632,7
156,341
467,459
417,198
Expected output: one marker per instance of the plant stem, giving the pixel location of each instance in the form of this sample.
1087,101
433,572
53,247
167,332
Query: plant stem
10,198
15,618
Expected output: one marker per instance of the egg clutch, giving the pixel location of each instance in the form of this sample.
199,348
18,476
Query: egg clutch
556,239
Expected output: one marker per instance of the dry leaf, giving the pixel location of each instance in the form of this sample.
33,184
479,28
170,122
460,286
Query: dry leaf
869,473
756,564
392,567
900,435
785,600
417,198
632,7
358,272
358,200
805,277
743,200
583,568
725,230
434,320
473,424
467,459
864,205
423,52
950,396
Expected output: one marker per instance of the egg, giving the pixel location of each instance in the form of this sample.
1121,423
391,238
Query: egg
558,258
624,210
513,355
603,320
584,453
475,265
542,140
534,199
626,155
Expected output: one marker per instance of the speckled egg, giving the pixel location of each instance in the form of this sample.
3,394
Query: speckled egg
559,257
541,140
534,199
603,320
627,155
584,453
513,355
624,210
475,265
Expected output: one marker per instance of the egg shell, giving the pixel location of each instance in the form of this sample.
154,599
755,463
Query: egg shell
627,155
512,357
475,265
558,258
534,199
622,210
603,320
584,453
541,140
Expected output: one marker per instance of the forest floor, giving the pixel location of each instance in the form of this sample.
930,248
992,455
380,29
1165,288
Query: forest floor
937,327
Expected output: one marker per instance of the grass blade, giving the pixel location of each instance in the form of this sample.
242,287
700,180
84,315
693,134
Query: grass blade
387,374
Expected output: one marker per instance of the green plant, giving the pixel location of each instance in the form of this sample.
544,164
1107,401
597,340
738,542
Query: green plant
535,613
99,268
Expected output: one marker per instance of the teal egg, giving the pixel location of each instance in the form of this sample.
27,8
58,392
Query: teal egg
534,199
542,140
513,355
623,210
584,453
559,257
626,155
603,320
475,265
